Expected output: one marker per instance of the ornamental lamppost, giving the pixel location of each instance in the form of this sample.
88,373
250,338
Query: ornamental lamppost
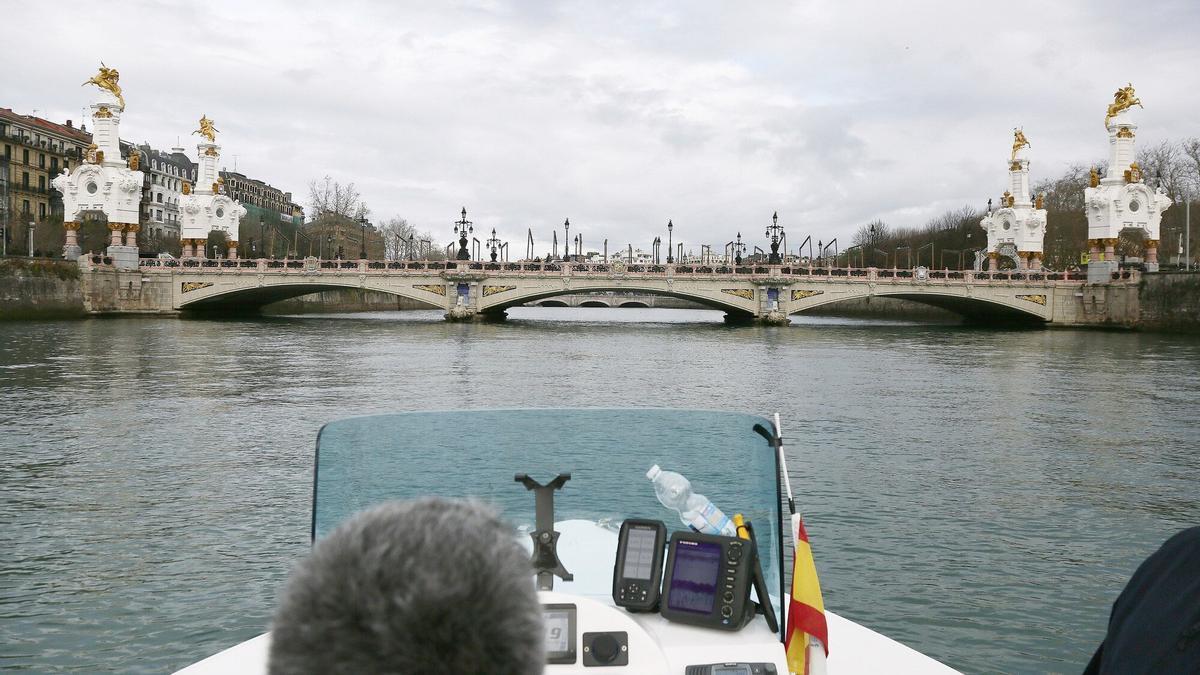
262,231
670,245
362,252
566,240
463,228
775,232
493,243
738,249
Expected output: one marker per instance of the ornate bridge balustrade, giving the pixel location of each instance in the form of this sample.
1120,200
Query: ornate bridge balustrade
483,290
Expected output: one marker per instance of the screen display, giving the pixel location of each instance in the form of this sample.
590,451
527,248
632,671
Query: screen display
639,552
730,670
694,577
558,630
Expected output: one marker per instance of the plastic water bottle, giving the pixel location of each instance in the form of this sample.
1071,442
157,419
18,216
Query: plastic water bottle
696,511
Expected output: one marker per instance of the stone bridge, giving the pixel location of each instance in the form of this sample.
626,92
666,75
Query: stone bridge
468,290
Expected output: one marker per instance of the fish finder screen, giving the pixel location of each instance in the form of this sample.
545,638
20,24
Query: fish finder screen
557,630
694,577
639,552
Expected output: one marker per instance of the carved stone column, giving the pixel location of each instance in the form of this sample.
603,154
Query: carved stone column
1152,251
71,248
1022,260
232,245
1110,249
115,230
1094,254
1035,261
131,231
993,261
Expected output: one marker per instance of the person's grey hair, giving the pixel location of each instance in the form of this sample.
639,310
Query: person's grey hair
425,586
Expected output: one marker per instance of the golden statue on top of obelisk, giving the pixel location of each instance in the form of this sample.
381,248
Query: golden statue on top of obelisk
107,79
207,129
1019,141
1123,100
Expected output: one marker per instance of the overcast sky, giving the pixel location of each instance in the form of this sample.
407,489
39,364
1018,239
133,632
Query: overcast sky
624,115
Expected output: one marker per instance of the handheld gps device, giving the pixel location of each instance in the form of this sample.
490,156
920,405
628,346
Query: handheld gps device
707,581
637,572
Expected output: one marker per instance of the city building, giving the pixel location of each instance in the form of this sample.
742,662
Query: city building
262,200
165,174
32,152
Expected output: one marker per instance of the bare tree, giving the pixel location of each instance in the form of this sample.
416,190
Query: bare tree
1166,164
871,234
330,199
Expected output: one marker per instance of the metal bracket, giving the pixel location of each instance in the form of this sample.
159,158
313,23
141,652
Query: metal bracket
545,539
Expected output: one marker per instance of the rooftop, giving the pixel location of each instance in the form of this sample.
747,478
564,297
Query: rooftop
66,130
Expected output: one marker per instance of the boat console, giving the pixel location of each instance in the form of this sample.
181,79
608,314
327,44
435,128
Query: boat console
620,589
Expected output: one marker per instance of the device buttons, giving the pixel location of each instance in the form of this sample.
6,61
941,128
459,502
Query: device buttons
735,553
726,611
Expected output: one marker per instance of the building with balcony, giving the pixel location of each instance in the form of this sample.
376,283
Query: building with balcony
273,205
32,152
165,173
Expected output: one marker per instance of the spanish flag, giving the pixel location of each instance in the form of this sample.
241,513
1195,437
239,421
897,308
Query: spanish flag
808,635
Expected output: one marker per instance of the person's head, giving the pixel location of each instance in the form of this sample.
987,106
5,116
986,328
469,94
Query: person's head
425,586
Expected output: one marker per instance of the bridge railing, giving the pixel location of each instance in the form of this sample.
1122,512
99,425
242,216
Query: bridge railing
423,267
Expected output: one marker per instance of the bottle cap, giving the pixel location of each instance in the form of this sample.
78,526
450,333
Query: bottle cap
653,472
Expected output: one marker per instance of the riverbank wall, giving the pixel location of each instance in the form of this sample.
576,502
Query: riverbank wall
1170,302
37,288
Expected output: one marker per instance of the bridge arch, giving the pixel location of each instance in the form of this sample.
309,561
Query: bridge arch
737,306
1017,307
249,297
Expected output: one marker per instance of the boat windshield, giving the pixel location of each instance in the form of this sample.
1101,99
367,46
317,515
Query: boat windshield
367,460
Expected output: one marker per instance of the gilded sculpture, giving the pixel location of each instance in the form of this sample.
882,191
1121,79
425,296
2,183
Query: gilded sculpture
207,129
1123,100
1019,141
1133,174
135,159
92,154
187,188
1094,178
107,79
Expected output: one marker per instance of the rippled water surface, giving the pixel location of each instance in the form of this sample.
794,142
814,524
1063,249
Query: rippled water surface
979,495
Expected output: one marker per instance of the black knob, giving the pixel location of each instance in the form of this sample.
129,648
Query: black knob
728,597
735,552
605,648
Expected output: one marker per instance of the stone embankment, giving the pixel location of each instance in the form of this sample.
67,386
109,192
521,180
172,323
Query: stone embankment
33,288
1170,302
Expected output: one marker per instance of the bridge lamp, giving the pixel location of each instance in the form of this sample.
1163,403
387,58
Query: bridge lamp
566,238
670,245
463,228
362,252
493,243
775,233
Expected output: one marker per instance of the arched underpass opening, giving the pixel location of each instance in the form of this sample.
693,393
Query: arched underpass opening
664,300
331,298
931,308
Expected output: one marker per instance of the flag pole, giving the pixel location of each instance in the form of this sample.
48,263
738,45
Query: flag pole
787,481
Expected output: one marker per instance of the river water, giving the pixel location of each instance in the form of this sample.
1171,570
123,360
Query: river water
980,495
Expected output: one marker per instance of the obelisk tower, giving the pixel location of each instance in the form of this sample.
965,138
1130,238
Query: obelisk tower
205,208
1121,200
1018,227
104,182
